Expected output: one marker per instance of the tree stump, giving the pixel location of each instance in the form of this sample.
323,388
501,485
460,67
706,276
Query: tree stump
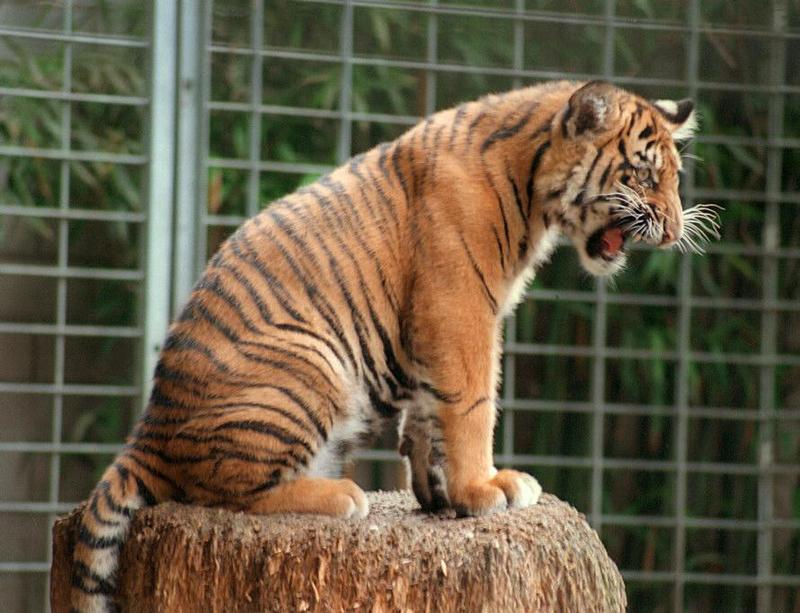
186,558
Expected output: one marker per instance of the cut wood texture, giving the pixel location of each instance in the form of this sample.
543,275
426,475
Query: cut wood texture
186,558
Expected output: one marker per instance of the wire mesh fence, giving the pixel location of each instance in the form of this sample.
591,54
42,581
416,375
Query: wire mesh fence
666,406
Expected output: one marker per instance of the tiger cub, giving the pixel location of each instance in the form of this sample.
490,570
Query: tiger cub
378,293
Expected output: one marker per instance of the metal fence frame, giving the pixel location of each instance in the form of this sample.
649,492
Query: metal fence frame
176,223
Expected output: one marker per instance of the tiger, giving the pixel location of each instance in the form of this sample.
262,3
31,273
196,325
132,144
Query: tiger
373,298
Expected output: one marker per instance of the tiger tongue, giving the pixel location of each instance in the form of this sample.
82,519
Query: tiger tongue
612,240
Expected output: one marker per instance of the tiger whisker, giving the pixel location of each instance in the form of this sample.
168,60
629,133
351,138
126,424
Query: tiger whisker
692,156
689,156
636,218
700,226
633,213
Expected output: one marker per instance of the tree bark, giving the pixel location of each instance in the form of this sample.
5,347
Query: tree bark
186,558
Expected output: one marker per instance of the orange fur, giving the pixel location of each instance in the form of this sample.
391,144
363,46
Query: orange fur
378,292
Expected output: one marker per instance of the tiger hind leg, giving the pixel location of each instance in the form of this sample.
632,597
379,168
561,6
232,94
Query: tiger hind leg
335,497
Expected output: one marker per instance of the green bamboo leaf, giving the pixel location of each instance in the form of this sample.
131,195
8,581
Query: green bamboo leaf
381,31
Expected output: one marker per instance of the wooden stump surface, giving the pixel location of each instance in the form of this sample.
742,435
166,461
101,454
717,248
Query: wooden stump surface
186,558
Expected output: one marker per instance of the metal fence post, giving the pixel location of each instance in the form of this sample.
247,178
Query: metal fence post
769,319
684,339
161,176
189,188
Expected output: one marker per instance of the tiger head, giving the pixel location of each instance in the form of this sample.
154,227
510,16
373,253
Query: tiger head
620,176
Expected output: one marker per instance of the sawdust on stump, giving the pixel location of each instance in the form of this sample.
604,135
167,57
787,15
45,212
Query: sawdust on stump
186,558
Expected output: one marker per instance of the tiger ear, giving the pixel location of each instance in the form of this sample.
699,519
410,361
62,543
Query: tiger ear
680,117
590,109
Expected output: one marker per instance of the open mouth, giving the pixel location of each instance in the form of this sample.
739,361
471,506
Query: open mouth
607,243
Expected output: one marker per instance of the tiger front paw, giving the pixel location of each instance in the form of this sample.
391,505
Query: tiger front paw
507,489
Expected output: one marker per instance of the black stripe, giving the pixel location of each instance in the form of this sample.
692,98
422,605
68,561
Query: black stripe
177,491
564,120
315,336
236,451
629,126
321,430
225,495
159,415
100,589
474,405
500,251
522,247
80,572
385,230
264,407
120,509
218,325
460,112
215,453
434,151
518,200
317,300
441,396
235,339
283,299
356,161
360,325
624,152
506,132
477,270
579,197
412,165
340,193
211,283
399,172
387,202
144,492
537,158
274,284
429,154
384,150
296,356
501,207
604,176
255,295
383,408
303,380
95,511
266,485
140,445
265,428
358,322
471,129
389,353
505,221
86,537
160,399
177,341
186,383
